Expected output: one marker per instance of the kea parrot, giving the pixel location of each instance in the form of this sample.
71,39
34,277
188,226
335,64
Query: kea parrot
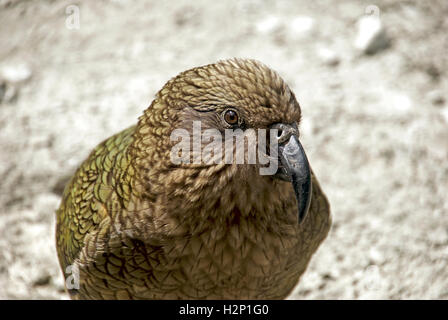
134,224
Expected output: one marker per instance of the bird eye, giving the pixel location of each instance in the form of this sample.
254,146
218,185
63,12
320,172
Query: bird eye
231,117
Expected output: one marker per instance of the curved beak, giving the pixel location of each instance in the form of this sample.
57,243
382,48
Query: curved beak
294,167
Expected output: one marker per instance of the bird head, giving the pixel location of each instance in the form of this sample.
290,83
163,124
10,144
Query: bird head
194,111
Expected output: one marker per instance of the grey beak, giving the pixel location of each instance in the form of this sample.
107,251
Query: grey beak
294,167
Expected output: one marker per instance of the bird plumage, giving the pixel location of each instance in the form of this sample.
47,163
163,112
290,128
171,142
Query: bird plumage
136,226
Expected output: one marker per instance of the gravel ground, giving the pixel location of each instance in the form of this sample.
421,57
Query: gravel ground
375,122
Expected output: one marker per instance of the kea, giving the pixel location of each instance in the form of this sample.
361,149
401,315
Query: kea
135,224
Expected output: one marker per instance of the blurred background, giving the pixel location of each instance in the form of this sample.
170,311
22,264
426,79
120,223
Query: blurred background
371,77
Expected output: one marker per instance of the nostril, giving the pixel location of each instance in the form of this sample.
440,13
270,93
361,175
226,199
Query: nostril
283,132
279,133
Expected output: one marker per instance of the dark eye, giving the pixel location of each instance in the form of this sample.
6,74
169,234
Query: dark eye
231,117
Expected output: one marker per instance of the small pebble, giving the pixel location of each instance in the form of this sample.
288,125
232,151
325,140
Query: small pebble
371,36
268,24
436,97
15,73
328,57
43,280
302,25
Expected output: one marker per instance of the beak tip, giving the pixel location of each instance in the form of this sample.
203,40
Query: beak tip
304,206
